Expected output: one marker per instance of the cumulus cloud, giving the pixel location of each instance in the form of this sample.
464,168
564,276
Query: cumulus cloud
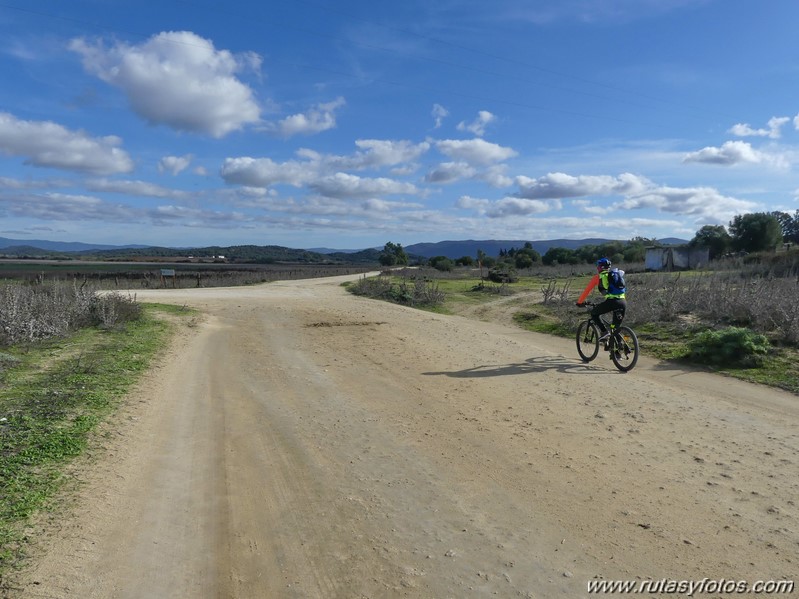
315,120
263,172
774,128
65,207
372,153
730,153
47,144
177,79
313,165
519,207
343,185
174,164
134,188
197,218
478,126
449,172
474,151
704,203
440,113
561,185
472,203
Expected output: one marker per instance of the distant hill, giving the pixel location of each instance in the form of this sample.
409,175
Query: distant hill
272,253
59,246
492,247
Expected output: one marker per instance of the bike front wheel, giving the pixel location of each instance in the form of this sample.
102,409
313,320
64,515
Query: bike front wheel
587,340
624,349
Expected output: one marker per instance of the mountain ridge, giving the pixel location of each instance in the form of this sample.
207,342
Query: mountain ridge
452,249
492,247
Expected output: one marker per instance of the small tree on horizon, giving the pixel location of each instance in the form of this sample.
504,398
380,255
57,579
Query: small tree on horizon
755,232
393,254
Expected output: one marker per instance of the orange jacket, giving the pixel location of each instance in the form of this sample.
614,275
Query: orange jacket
588,288
601,279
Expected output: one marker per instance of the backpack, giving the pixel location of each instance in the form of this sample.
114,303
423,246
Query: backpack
616,284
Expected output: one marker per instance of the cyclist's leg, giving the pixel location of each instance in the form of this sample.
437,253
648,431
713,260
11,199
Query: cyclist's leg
601,308
619,309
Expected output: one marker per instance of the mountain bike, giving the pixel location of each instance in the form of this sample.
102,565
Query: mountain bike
622,344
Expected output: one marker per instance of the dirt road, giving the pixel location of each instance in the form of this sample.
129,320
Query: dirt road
302,442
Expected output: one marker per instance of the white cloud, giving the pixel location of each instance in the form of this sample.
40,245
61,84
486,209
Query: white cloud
134,188
177,79
345,186
263,172
174,164
66,207
388,153
702,202
730,153
774,128
519,207
372,153
474,151
9,183
440,113
449,172
637,193
315,120
561,185
496,176
170,215
47,144
478,126
471,203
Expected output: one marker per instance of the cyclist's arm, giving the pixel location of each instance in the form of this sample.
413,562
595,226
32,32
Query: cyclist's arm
588,288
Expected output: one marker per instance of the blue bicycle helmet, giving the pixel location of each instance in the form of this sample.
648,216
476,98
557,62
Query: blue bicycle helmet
603,263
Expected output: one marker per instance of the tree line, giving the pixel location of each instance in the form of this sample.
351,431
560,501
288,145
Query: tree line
746,233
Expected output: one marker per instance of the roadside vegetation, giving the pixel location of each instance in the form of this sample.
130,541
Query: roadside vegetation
71,345
181,275
67,357
739,317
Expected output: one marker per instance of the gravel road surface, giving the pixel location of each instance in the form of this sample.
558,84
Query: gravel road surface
296,441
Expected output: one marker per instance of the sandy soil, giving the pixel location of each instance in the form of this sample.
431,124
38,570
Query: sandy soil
301,442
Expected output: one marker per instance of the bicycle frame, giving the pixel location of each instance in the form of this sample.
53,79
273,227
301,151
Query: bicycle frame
622,344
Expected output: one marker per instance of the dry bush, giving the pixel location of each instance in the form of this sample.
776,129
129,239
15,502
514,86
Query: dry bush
375,287
413,290
112,310
728,298
554,294
30,313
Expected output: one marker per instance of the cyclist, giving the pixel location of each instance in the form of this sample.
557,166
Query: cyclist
615,303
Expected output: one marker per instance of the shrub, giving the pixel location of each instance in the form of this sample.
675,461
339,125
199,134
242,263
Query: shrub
30,313
732,346
111,310
503,273
419,291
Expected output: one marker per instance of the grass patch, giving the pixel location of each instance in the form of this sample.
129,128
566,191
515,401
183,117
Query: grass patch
668,311
52,396
672,341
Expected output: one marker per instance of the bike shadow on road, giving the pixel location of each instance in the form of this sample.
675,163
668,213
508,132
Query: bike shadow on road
535,365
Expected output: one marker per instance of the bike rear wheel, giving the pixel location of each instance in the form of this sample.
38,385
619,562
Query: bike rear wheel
624,349
587,340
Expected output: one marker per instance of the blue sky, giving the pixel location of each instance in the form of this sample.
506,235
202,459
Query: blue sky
349,123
